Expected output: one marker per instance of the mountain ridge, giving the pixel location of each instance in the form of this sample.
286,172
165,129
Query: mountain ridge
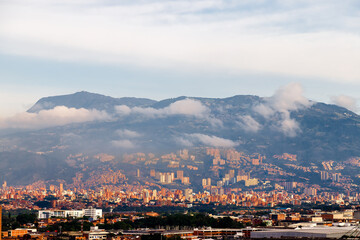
87,100
313,131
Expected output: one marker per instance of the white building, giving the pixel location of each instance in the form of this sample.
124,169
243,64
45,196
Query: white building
305,232
60,213
91,212
97,234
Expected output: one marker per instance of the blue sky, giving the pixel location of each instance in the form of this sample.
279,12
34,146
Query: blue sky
161,49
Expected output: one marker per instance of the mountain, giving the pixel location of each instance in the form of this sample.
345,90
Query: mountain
314,132
89,101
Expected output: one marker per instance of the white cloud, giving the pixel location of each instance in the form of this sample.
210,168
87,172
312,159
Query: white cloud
124,143
182,107
125,133
123,110
57,116
278,108
184,142
285,38
71,136
249,124
345,101
213,141
287,98
187,107
125,136
289,126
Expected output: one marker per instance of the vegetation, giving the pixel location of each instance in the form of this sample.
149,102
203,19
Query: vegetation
176,220
15,219
72,225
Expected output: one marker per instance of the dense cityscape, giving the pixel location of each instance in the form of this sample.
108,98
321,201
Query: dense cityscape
252,193
210,176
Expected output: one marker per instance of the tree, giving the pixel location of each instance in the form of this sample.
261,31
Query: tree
26,218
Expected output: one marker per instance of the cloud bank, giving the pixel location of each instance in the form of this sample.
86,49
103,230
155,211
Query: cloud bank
57,116
347,102
186,107
282,37
61,115
278,108
212,141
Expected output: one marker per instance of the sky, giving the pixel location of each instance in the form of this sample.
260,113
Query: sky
161,49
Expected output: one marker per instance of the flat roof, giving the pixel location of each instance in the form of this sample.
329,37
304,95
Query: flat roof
328,232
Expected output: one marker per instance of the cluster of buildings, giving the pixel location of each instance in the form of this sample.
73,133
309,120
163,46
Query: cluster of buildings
179,180
220,176
307,232
139,195
278,224
169,177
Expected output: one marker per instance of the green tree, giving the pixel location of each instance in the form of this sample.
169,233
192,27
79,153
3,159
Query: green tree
26,218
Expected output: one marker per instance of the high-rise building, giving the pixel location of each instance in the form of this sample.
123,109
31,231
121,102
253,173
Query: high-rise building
179,174
168,178
232,173
185,180
324,175
188,194
310,191
61,188
336,177
289,186
138,173
162,177
206,182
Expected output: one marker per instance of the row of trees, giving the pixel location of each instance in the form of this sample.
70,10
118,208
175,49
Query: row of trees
176,220
172,220
10,221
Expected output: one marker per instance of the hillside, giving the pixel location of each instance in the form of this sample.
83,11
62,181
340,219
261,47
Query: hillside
315,132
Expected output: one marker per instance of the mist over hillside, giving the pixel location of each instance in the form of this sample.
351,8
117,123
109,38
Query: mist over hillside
88,123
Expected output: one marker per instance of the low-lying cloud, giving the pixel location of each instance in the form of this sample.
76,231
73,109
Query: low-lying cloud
249,124
57,116
125,133
124,143
186,107
347,102
212,141
278,107
126,139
